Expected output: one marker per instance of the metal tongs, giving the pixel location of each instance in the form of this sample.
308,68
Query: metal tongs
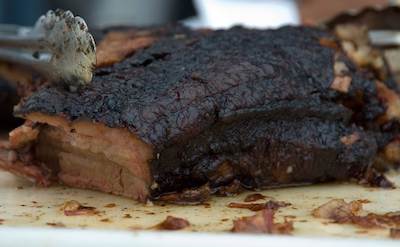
58,46
384,37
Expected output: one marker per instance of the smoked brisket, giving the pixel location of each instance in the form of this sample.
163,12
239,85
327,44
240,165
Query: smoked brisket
267,108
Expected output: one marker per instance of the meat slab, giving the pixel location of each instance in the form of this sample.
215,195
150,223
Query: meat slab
265,108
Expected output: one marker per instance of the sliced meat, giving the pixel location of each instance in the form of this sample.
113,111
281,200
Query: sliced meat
93,156
212,109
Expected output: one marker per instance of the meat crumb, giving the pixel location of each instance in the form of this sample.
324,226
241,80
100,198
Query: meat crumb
127,216
374,178
337,210
110,205
262,222
172,224
341,84
254,197
352,213
106,220
391,100
249,206
395,233
231,189
1,221
340,68
350,139
55,224
271,204
328,43
74,208
287,217
274,205
188,197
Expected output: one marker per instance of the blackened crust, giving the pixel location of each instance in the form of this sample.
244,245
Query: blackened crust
248,105
182,85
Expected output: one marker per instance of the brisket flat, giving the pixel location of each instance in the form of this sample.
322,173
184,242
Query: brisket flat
267,108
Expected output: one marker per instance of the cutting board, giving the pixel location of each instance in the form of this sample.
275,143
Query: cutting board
24,205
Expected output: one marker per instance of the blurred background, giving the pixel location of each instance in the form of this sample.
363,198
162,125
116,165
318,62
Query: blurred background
100,12
197,13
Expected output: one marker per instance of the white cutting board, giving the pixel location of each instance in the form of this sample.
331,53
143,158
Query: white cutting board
23,205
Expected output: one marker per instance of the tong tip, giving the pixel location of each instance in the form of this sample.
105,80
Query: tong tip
73,47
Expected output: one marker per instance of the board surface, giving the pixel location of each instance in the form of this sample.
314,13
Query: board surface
24,205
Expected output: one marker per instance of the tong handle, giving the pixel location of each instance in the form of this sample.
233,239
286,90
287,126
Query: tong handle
22,42
12,29
15,36
384,37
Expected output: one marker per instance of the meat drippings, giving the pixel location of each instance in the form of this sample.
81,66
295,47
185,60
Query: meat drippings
92,156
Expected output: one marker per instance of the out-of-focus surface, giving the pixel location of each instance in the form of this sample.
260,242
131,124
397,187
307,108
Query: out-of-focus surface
11,237
22,204
211,13
354,30
249,13
313,12
100,13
